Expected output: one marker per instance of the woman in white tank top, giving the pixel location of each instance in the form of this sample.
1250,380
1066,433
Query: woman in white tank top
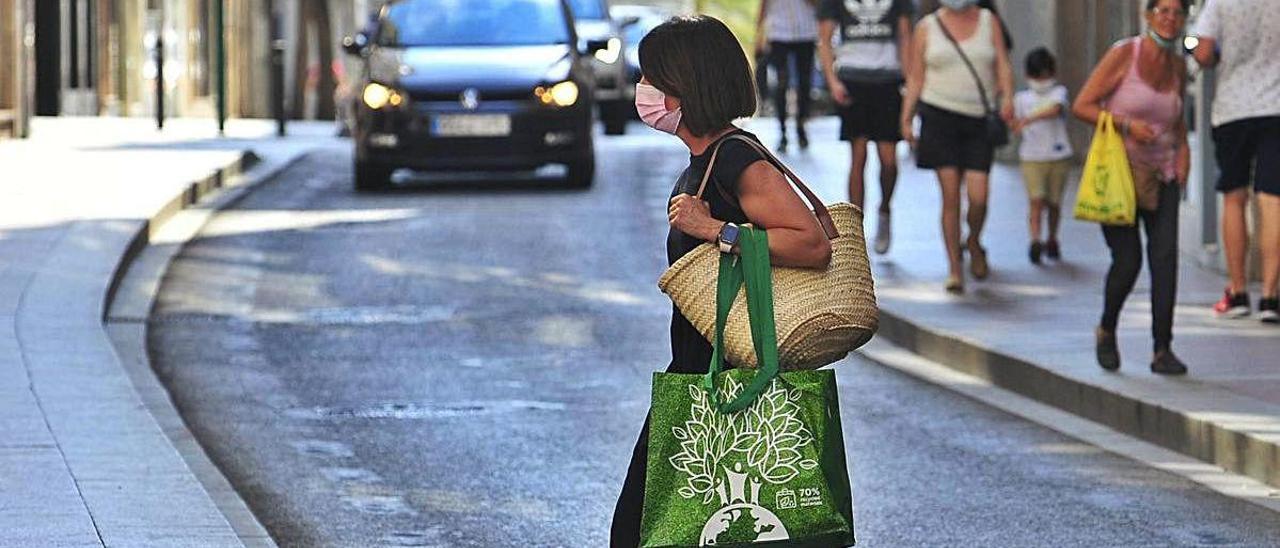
953,139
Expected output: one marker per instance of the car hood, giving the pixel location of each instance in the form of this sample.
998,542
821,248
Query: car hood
451,69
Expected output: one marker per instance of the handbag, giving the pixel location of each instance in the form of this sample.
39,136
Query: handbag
822,314
744,456
996,130
1107,193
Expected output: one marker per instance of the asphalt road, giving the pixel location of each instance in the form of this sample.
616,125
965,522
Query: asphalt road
467,364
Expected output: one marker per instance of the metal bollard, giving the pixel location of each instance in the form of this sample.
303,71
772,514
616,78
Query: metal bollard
160,78
277,75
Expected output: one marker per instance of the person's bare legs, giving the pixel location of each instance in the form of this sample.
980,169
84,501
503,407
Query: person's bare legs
1235,236
1033,218
857,172
976,184
1055,219
888,153
949,182
1269,242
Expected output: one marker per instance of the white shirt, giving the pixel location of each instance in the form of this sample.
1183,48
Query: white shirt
1248,34
1043,140
791,21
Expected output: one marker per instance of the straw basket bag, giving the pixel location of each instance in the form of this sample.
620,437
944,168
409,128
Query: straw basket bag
821,315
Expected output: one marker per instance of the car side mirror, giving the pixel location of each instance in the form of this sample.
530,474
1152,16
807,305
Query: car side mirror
596,45
354,45
628,21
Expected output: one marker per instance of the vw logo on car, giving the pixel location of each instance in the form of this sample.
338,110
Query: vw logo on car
470,99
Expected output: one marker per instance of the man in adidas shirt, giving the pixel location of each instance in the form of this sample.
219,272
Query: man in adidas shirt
865,76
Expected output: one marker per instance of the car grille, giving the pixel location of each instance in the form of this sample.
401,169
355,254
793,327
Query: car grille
484,95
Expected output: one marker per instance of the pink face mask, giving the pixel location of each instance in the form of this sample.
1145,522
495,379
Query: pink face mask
651,104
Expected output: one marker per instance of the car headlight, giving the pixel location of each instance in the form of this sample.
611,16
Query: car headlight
377,96
562,95
609,55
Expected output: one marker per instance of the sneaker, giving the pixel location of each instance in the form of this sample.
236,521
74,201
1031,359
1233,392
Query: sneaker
782,143
803,137
1269,310
1052,250
1232,305
1107,350
1034,253
955,285
884,233
1165,363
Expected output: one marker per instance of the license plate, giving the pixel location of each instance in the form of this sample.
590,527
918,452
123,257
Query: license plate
471,125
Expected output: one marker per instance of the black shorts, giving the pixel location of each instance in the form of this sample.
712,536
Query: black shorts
1249,149
951,139
872,113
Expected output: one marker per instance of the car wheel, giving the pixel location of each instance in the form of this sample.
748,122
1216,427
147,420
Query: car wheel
614,116
369,177
581,173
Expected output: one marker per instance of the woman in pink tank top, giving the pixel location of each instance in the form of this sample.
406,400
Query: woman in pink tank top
1142,82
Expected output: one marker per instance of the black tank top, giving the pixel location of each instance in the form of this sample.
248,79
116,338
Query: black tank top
690,352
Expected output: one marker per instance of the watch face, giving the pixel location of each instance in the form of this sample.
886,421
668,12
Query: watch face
729,233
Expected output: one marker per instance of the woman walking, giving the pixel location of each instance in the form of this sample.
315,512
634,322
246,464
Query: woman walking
960,63
695,82
1141,82
791,27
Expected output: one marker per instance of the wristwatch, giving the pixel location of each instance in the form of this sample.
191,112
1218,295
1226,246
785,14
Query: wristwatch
728,237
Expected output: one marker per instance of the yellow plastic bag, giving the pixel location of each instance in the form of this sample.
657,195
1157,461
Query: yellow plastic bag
1107,194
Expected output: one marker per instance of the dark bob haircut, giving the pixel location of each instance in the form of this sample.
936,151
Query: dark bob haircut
1040,63
698,60
1186,5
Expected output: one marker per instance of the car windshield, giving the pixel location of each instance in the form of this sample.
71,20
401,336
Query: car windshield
473,23
587,9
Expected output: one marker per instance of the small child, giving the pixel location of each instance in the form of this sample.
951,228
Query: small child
1045,150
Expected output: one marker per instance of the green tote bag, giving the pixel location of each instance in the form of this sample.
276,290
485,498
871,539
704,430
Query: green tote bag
746,457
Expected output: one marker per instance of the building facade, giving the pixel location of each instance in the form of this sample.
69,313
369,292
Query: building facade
102,57
17,34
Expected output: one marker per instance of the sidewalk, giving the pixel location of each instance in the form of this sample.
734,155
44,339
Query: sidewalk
82,460
1029,329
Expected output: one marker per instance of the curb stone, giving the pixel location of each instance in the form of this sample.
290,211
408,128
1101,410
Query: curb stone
1222,439
133,287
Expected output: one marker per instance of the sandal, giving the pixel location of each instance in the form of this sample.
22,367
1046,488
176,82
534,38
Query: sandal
978,261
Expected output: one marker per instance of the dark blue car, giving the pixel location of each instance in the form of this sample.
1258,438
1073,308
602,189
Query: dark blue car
473,85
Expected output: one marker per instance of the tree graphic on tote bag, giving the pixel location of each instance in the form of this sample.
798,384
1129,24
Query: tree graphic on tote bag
727,456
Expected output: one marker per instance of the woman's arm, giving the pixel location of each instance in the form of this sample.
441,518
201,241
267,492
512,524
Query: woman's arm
827,56
904,43
1183,171
760,16
795,238
1004,72
914,71
1102,82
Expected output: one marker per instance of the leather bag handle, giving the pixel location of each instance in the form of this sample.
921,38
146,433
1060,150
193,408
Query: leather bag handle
819,209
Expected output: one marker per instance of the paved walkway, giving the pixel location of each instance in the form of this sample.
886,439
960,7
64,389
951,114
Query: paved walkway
1029,328
82,461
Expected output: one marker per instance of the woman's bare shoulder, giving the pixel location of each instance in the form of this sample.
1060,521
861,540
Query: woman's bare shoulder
1118,56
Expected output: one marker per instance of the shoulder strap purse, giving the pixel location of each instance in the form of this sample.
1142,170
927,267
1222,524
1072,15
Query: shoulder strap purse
997,130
